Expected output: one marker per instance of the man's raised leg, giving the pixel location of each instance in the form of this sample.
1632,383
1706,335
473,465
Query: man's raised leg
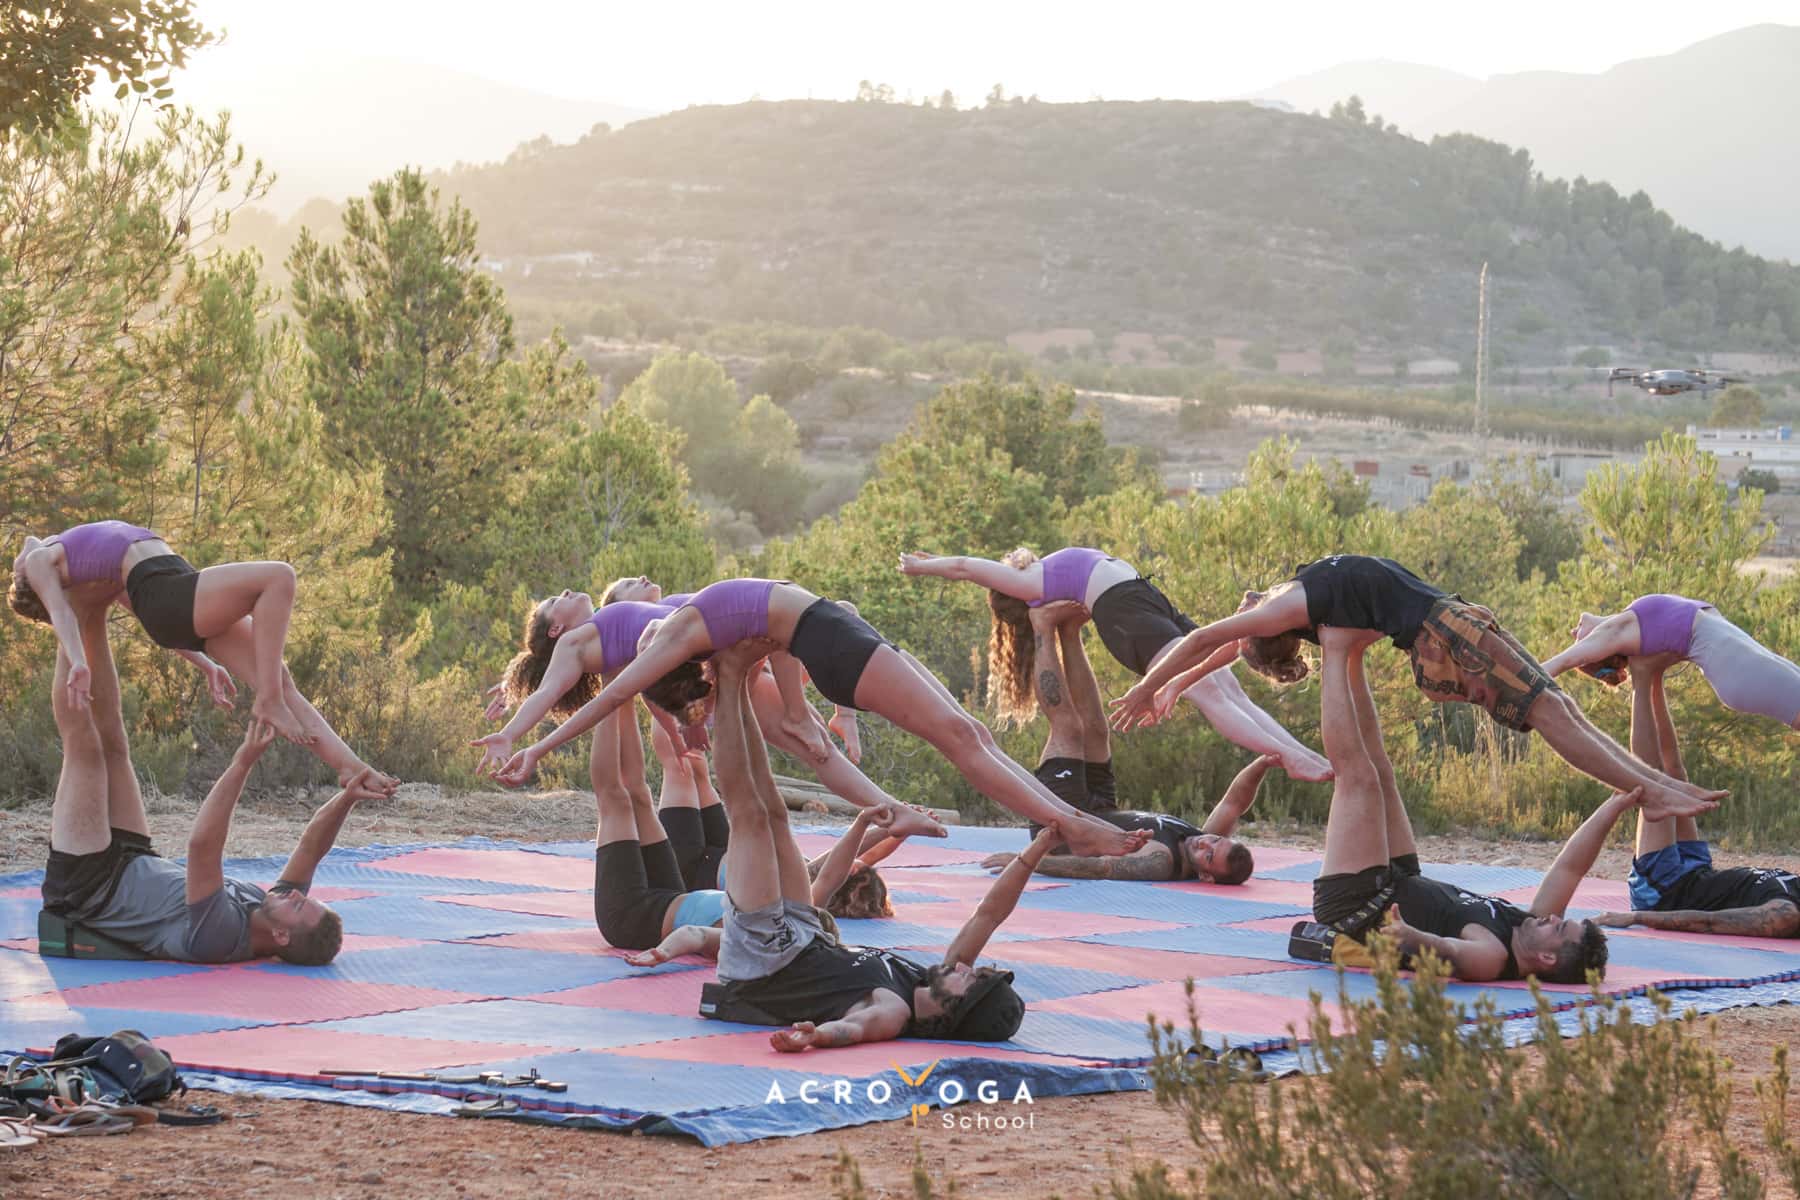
1368,723
1356,830
790,864
124,798
752,865
79,814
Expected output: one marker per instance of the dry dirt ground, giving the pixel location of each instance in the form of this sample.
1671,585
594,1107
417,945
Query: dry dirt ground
301,1149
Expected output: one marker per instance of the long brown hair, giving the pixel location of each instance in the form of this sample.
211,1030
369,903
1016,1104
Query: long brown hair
24,600
1012,653
1277,658
526,671
863,895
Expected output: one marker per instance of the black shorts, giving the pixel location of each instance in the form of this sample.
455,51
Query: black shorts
834,645
82,885
1067,780
628,907
161,591
1354,902
1135,621
699,837
1707,889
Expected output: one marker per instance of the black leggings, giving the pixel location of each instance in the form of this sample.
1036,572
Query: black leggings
834,645
700,837
633,889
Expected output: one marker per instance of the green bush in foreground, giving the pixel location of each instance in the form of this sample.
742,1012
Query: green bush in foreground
1417,1096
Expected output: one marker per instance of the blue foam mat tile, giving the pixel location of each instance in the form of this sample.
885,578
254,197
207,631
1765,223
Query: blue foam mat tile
634,1086
1202,939
1044,981
18,917
536,1022
417,917
1482,879
24,973
27,1027
1303,872
1681,959
1155,904
467,967
1093,1038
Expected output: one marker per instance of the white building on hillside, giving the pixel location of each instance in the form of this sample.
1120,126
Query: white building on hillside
1772,448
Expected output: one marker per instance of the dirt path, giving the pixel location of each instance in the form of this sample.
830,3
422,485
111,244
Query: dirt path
297,1148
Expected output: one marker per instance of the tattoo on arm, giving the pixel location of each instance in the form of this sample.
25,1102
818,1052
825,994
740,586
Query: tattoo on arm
1777,918
1049,688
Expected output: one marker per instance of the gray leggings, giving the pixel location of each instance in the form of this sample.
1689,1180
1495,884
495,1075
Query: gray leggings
1748,676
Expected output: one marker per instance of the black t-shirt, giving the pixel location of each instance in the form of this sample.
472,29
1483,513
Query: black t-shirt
1170,831
1355,591
826,980
1706,890
1443,908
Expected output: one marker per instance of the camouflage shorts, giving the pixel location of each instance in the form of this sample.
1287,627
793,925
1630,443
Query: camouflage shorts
1462,654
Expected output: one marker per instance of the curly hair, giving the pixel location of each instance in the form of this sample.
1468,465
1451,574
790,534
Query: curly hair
1611,671
24,600
1012,654
863,895
1575,959
1276,658
526,671
680,692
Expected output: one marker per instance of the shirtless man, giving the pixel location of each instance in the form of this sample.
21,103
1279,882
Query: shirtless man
1673,882
776,959
1077,766
1372,864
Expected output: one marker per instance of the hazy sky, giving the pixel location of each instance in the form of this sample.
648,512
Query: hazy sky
669,53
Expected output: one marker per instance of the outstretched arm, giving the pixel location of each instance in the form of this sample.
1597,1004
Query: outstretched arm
562,673
1579,852
840,860
1150,862
1238,797
41,573
702,940
1001,898
882,1021
1777,918
1470,959
1618,634
1020,583
321,834
1206,647
212,824
682,636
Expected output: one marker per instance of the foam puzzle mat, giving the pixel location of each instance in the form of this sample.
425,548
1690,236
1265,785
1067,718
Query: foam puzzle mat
483,956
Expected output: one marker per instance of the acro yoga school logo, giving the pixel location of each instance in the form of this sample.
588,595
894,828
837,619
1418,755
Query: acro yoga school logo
950,1092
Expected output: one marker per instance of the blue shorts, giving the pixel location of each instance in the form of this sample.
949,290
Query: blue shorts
1653,874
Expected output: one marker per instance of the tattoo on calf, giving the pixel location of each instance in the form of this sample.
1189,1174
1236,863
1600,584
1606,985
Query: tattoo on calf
1049,688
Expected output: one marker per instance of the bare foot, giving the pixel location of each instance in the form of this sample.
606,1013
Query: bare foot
281,718
1660,802
653,957
375,780
843,724
910,822
1306,767
1090,837
810,735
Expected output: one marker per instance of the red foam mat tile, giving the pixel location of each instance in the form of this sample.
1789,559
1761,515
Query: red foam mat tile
1135,961
1778,945
752,1049
21,893
295,1050
1261,891
1268,924
272,996
497,866
1221,1010
375,941
559,941
1276,858
676,992
579,905
337,895
1039,921
1608,894
954,887
915,852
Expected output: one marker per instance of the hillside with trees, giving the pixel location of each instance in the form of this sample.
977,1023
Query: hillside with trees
1179,219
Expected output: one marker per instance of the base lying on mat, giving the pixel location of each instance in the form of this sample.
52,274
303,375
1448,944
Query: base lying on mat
483,957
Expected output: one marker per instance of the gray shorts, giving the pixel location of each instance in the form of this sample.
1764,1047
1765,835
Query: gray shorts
758,943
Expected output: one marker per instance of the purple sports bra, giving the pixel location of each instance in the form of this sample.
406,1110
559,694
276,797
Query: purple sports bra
734,609
677,600
620,624
95,551
1066,573
1665,623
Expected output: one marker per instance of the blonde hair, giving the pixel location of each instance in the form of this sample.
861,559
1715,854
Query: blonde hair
1012,649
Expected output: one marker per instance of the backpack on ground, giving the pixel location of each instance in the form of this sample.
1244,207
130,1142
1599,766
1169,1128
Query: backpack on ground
126,1066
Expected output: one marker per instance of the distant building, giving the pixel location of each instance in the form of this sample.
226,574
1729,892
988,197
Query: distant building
1771,448
1365,468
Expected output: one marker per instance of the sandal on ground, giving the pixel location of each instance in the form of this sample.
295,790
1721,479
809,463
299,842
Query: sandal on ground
496,1106
20,1131
87,1122
138,1114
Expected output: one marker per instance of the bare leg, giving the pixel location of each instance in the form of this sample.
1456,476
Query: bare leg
1356,830
680,788
631,778
235,650
80,813
264,592
1590,751
790,864
1368,724
837,773
124,798
753,868
896,686
1222,701
1652,835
